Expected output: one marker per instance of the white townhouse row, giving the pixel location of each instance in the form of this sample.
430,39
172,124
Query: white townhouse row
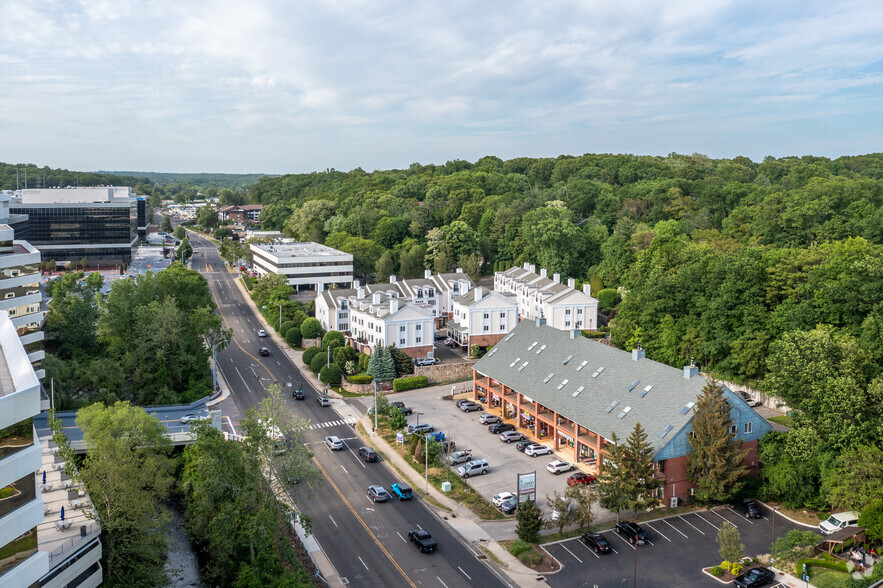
561,305
482,317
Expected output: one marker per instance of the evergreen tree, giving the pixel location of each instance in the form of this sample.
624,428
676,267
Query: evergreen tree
729,543
615,484
404,364
715,463
386,366
640,455
530,521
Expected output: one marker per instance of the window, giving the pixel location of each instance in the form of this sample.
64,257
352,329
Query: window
732,429
401,341
402,329
502,315
747,428
567,311
502,327
487,315
579,311
566,323
487,328
417,339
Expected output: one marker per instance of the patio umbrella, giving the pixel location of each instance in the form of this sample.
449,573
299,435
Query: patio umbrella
62,513
44,477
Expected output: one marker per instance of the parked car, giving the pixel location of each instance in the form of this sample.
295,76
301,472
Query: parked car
378,494
558,466
192,418
470,468
367,453
748,399
462,401
838,521
402,490
510,506
323,401
510,436
554,515
470,407
420,428
264,351
580,478
438,436
449,341
423,539
440,337
334,443
498,428
537,449
632,532
488,419
460,456
754,578
524,444
401,406
262,333
426,361
596,542
501,498
748,508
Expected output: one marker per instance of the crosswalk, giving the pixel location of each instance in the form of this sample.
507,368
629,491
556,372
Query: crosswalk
347,421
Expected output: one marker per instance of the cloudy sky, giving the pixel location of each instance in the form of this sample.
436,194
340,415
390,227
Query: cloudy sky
292,86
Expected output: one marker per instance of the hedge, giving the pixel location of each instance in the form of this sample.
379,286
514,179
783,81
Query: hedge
360,379
318,362
310,353
330,374
594,334
286,325
293,337
409,383
837,566
311,328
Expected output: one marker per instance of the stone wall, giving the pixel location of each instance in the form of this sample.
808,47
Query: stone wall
765,400
445,372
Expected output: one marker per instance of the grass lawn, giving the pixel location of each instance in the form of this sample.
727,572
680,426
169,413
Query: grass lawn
783,420
824,578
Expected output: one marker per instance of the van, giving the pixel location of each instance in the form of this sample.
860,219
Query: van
470,468
838,521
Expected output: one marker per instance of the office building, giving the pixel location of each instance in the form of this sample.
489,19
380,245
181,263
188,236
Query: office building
241,214
306,266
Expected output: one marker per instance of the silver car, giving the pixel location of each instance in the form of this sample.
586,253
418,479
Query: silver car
334,443
510,436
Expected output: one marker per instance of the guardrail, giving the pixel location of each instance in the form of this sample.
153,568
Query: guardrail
90,531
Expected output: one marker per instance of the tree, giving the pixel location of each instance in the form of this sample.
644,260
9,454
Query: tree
207,217
381,367
223,233
344,354
127,473
319,361
530,521
583,498
311,328
385,267
332,338
871,520
714,464
397,420
330,375
729,543
180,232
166,226
562,506
404,365
293,337
73,312
855,479
615,484
471,265
640,454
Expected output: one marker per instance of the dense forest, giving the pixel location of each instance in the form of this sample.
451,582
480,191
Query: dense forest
767,273
234,182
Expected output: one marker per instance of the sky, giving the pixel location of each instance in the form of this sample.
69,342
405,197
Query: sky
276,86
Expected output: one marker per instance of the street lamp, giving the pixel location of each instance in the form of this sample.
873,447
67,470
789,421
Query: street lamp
375,406
280,315
775,510
426,453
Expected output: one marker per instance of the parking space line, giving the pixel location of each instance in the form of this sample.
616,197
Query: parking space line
658,531
624,541
707,521
589,549
747,520
689,523
675,528
571,553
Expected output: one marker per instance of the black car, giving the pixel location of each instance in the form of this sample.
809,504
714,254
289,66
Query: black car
298,394
596,542
498,428
509,506
401,406
367,453
632,532
748,508
524,444
264,351
754,578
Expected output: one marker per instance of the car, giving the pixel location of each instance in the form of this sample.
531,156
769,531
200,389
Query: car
401,406
498,428
449,341
475,466
378,494
423,539
420,428
580,478
509,506
334,443
262,333
748,508
264,351
596,542
367,453
510,436
488,419
426,361
632,532
462,401
501,498
448,446
402,490
323,401
460,456
749,400
470,407
555,514
755,577
440,337
558,466
837,521
298,394
192,418
524,444
537,449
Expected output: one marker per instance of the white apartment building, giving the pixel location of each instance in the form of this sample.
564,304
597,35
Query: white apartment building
383,318
561,305
306,266
482,317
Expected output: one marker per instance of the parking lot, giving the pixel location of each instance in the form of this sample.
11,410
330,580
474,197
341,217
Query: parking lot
677,548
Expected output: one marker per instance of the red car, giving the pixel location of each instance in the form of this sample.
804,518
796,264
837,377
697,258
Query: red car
580,478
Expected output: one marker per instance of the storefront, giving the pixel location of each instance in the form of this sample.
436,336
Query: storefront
564,440
527,421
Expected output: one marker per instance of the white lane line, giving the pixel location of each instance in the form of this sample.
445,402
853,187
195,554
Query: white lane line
240,375
658,531
363,563
255,373
464,573
675,528
442,582
333,521
571,553
344,470
624,541
592,551
400,537
707,521
747,520
689,523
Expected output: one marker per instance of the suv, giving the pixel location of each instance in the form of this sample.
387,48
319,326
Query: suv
536,449
426,361
510,436
488,419
755,577
476,466
460,456
596,542
524,444
498,428
470,407
367,453
748,399
558,466
262,333
334,443
838,521
632,532
401,406
420,428
378,494
747,508
298,394
423,539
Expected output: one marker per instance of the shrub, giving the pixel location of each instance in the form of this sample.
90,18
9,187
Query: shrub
332,337
594,334
531,558
518,547
409,383
606,299
725,566
360,379
293,337
342,354
310,328
717,571
310,353
363,361
249,282
318,362
837,566
286,325
735,569
7,491
330,374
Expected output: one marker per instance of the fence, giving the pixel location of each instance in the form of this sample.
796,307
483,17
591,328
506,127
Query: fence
90,531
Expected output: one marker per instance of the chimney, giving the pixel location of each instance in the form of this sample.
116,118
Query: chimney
356,284
690,370
376,298
479,293
392,279
527,266
393,305
540,321
638,352
459,270
542,272
533,268
556,278
587,288
575,334
427,273
361,292
571,283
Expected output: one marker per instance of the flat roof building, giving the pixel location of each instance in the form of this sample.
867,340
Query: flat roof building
306,266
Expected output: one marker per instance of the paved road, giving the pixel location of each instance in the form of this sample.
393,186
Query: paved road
365,542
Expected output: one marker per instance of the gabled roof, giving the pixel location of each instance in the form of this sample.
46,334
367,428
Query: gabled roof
489,297
562,295
565,374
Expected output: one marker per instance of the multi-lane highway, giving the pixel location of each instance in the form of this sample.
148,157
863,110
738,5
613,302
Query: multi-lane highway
366,542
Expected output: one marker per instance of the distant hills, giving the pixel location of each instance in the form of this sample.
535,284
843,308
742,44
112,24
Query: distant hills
203,180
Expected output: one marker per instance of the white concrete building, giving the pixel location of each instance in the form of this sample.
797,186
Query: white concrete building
561,305
306,266
482,317
383,318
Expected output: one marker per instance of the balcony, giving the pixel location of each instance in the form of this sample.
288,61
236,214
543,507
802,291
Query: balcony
20,562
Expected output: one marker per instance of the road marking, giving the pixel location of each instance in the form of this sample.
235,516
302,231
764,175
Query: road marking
442,582
400,536
590,550
707,521
571,553
689,523
240,375
333,521
747,520
464,573
675,528
624,541
658,531
363,563
344,470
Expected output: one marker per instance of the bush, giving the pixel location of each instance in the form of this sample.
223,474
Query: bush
594,334
717,571
310,353
248,281
837,566
293,336
318,362
7,491
518,547
606,299
363,361
332,337
531,558
735,569
409,383
343,354
330,374
286,325
310,328
725,566
360,379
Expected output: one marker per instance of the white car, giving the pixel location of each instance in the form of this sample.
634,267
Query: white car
262,333
501,498
537,449
558,466
334,443
192,418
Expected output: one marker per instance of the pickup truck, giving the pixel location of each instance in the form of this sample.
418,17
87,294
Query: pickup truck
425,542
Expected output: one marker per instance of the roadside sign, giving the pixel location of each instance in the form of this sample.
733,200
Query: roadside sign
527,487
400,438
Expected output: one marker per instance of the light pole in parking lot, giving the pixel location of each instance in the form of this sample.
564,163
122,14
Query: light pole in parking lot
775,510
